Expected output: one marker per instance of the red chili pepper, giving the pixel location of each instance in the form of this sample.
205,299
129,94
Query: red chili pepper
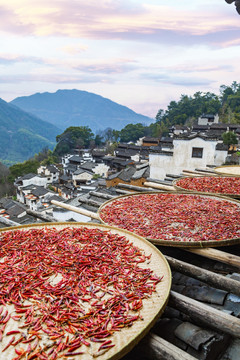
82,276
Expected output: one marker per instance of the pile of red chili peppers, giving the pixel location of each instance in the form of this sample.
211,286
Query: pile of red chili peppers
98,290
178,217
212,184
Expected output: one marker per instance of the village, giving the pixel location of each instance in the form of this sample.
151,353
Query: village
86,178
201,320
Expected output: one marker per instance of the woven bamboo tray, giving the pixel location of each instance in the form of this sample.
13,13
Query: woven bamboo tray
126,338
159,241
231,170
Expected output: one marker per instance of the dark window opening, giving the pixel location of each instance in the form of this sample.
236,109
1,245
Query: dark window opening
197,152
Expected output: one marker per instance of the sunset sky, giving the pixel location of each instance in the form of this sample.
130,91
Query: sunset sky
138,53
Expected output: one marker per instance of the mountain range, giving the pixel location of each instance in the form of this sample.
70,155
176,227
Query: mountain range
30,123
22,135
66,108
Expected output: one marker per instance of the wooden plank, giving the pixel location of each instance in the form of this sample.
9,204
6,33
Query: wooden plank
209,277
206,314
217,255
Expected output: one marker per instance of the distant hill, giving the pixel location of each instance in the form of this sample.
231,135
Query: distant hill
22,135
66,108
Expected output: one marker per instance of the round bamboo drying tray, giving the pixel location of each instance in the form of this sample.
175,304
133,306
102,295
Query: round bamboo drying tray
153,306
172,242
201,178
231,170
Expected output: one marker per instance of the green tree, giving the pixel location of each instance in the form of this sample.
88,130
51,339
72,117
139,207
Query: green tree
133,132
20,169
229,138
72,138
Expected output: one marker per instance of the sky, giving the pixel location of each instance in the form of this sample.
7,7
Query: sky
139,53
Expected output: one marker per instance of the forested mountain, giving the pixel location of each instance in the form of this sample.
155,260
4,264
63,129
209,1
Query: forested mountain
22,135
66,108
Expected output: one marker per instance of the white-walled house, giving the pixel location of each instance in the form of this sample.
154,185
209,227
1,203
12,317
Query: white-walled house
31,179
188,153
81,176
101,169
208,119
51,172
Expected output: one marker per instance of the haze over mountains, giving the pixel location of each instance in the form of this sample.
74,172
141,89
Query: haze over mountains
22,135
66,108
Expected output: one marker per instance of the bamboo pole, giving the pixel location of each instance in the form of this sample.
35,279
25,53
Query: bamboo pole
155,347
206,314
217,255
209,277
76,209
160,186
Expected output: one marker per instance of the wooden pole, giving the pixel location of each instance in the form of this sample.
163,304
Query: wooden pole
160,186
133,187
102,195
76,209
205,314
217,255
155,347
209,277
39,215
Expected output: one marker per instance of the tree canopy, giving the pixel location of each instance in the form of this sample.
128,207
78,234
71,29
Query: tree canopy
72,138
229,138
189,108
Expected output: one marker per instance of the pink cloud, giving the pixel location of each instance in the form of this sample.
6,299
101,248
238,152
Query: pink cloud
121,19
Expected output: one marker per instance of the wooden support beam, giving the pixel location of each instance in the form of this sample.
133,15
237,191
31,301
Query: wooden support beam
39,215
155,347
101,195
123,192
76,209
210,172
209,277
206,314
217,255
191,173
133,187
90,202
159,186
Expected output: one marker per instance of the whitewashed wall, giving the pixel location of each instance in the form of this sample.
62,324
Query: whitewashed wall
101,169
81,177
37,180
161,164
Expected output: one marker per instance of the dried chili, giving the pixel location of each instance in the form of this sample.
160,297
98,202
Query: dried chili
70,289
178,217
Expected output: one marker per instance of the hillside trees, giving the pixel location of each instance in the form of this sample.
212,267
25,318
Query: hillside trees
72,138
6,188
189,108
133,132
230,99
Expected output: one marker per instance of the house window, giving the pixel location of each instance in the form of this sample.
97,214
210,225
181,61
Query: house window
197,152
